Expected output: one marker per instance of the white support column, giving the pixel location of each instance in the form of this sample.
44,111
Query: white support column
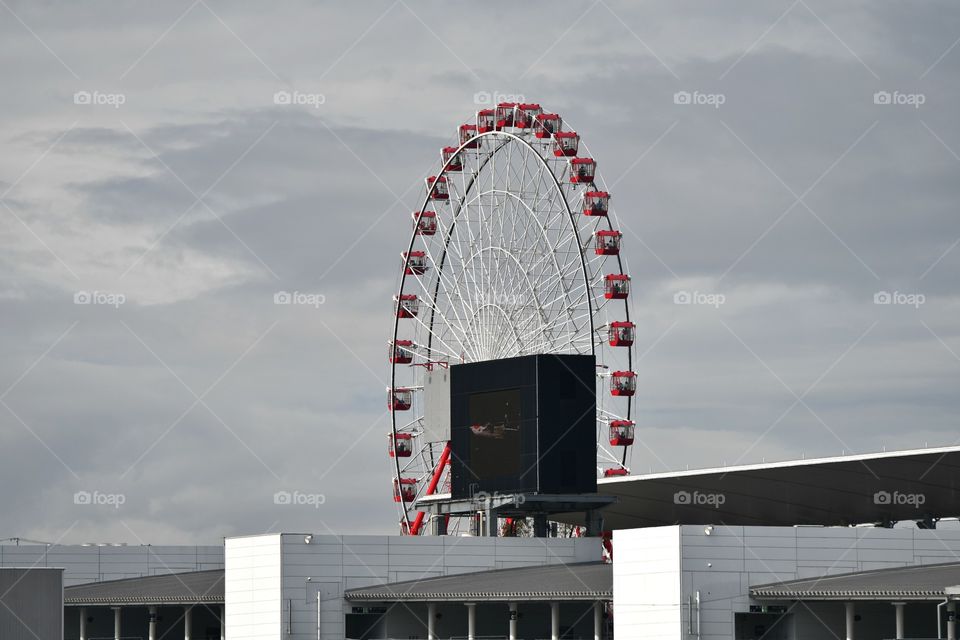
431,620
117,626
952,620
223,623
471,620
83,623
898,607
187,615
554,621
514,614
152,623
597,621
850,619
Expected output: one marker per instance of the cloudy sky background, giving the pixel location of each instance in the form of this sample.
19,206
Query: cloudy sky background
198,198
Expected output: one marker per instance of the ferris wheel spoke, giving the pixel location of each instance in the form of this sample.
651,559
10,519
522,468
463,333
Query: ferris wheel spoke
433,301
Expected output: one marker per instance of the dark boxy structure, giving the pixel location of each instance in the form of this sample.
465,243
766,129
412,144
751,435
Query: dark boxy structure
524,425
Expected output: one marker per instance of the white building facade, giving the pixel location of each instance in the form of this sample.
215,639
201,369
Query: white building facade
680,582
291,586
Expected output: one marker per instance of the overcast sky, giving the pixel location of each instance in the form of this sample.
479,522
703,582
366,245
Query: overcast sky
143,157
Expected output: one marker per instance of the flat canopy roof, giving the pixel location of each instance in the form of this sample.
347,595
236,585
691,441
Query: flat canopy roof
874,487
578,581
924,582
193,587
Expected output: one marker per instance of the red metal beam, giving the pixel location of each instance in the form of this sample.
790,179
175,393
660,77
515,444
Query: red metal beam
434,481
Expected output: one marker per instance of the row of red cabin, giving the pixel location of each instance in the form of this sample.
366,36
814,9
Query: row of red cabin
405,489
616,287
619,334
621,434
582,171
606,242
622,384
595,203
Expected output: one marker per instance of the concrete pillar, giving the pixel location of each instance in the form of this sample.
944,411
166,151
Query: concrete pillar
898,607
594,523
223,623
187,615
850,619
152,623
597,621
539,525
492,522
431,620
471,620
514,614
83,623
952,620
554,621
117,626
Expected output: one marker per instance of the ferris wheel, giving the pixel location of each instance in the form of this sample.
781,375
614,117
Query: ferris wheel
514,252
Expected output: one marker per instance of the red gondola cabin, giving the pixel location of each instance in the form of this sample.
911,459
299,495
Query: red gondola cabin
546,124
400,446
505,114
607,243
566,143
623,383
401,352
525,115
467,133
438,188
582,170
486,120
617,286
450,155
615,472
407,305
405,490
425,224
399,399
621,433
621,334
414,263
596,203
